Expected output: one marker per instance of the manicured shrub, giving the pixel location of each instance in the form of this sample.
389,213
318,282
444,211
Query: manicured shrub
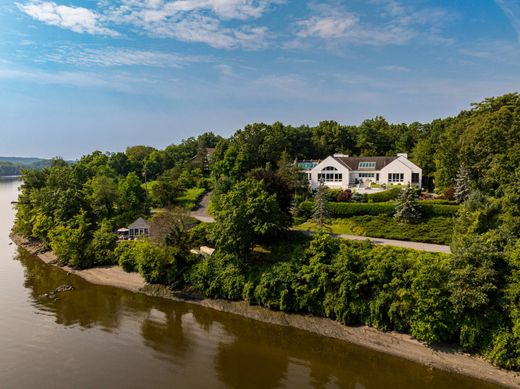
353,209
387,195
339,210
438,209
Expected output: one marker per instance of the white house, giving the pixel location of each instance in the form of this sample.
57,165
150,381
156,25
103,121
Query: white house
342,171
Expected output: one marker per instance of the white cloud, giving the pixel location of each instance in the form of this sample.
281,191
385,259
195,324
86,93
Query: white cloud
110,57
196,20
396,68
327,27
218,23
512,10
77,19
391,23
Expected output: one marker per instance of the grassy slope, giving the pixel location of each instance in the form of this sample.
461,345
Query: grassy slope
432,230
190,199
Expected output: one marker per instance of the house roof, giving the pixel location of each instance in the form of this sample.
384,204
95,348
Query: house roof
352,163
139,223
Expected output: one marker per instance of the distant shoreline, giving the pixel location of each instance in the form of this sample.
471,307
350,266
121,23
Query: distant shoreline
396,344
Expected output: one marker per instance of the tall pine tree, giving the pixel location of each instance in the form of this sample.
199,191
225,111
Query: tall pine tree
320,213
407,210
462,185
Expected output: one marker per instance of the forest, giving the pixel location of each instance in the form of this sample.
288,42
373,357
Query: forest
470,298
13,166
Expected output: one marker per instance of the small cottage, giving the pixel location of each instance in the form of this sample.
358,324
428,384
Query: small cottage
139,228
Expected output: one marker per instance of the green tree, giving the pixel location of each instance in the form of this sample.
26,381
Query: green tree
244,215
320,213
407,209
101,194
101,248
462,185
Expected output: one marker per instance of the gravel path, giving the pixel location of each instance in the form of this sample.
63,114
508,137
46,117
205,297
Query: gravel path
433,248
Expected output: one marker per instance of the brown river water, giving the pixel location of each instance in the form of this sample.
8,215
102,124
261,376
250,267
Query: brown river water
104,337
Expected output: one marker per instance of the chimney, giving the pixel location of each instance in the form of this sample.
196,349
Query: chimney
339,155
404,155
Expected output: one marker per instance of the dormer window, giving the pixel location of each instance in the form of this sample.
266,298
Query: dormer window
367,165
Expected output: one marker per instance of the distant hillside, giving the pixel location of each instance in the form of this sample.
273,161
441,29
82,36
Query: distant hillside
12,166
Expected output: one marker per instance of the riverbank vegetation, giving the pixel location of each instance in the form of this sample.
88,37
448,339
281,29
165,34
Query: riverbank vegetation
471,298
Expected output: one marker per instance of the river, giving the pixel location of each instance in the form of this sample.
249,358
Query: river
104,337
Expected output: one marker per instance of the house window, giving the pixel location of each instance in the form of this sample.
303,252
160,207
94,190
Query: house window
367,165
415,178
366,175
395,177
330,177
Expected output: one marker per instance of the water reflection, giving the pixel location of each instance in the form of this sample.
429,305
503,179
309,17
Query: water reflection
191,346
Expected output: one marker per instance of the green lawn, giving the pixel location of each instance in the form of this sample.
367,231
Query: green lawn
432,230
190,199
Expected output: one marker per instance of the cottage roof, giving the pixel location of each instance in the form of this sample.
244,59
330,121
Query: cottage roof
139,223
374,163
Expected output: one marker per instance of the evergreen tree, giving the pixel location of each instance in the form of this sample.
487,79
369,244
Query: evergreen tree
462,185
320,213
407,210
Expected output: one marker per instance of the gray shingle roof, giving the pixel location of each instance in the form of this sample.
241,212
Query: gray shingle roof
139,223
353,162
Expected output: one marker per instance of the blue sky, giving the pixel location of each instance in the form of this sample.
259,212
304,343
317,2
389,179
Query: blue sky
76,76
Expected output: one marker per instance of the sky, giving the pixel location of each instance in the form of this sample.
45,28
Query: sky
78,76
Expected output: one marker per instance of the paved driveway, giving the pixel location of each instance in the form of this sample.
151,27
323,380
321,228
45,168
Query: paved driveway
201,213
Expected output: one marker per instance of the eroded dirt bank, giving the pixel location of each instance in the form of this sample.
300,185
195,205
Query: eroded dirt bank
396,344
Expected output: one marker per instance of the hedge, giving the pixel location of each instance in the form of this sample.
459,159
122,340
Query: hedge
387,195
386,208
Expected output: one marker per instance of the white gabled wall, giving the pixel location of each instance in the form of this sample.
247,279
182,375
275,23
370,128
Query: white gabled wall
400,165
330,161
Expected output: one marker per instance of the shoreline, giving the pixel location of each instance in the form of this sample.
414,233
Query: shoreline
393,343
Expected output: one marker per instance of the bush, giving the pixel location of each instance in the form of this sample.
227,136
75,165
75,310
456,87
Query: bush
218,276
274,289
344,196
353,209
438,209
157,264
332,194
201,235
125,256
431,317
387,195
338,210
505,350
